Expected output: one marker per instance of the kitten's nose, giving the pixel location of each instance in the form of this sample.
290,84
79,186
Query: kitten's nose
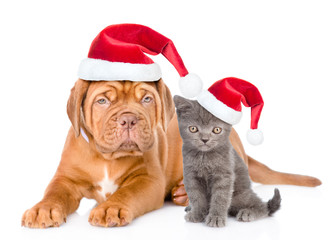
205,140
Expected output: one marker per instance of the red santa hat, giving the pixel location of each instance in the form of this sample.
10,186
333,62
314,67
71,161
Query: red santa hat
223,99
118,53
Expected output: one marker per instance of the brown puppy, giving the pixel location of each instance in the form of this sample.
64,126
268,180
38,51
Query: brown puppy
124,150
123,163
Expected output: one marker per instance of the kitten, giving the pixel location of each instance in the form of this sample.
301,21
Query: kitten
215,177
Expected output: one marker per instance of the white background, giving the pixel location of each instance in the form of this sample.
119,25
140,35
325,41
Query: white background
286,48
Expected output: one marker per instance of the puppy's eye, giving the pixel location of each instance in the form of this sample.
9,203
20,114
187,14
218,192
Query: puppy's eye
217,130
147,99
102,101
193,129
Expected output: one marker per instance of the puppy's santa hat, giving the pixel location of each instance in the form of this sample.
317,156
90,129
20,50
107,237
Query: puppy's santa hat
118,53
223,99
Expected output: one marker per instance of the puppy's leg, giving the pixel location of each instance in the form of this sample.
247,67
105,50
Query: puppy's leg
60,199
179,194
262,174
140,193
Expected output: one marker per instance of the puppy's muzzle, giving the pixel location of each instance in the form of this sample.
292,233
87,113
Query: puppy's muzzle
127,121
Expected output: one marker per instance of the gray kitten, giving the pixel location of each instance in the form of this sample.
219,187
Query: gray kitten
215,177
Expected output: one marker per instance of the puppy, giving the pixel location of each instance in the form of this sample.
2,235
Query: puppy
116,153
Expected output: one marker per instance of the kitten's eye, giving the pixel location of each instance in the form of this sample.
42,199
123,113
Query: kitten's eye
217,130
193,129
102,101
147,99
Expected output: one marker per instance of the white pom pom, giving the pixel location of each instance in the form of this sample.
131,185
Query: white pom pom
190,85
255,136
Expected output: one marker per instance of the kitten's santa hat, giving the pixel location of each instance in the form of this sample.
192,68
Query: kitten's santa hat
118,53
223,99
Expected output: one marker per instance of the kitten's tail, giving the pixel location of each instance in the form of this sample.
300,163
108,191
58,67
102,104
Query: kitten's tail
273,204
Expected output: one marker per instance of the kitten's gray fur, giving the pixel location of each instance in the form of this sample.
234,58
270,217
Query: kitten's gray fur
215,177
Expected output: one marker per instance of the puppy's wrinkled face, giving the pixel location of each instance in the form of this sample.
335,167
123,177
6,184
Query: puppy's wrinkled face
121,116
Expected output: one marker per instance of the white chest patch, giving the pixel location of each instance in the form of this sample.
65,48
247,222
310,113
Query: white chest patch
108,187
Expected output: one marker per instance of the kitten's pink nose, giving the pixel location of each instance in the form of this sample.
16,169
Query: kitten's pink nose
128,121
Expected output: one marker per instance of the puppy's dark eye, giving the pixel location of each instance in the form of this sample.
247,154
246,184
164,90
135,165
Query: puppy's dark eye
193,129
147,99
217,130
102,101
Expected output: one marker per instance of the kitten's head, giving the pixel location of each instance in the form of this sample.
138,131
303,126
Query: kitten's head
198,127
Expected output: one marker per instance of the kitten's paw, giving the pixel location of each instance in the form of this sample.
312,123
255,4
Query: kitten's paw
246,215
193,217
215,221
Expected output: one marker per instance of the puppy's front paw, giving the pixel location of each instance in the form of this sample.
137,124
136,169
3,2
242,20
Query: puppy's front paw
215,221
193,216
110,215
179,195
246,215
43,215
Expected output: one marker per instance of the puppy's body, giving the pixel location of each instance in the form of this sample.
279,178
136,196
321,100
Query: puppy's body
123,164
132,159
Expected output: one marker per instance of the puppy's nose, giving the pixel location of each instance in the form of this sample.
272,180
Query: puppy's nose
128,121
205,140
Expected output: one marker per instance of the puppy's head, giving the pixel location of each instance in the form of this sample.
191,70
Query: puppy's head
121,116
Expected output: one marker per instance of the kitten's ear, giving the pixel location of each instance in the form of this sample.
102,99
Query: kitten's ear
182,104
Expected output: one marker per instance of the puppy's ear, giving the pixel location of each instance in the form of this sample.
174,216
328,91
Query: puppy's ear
167,105
182,104
77,95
